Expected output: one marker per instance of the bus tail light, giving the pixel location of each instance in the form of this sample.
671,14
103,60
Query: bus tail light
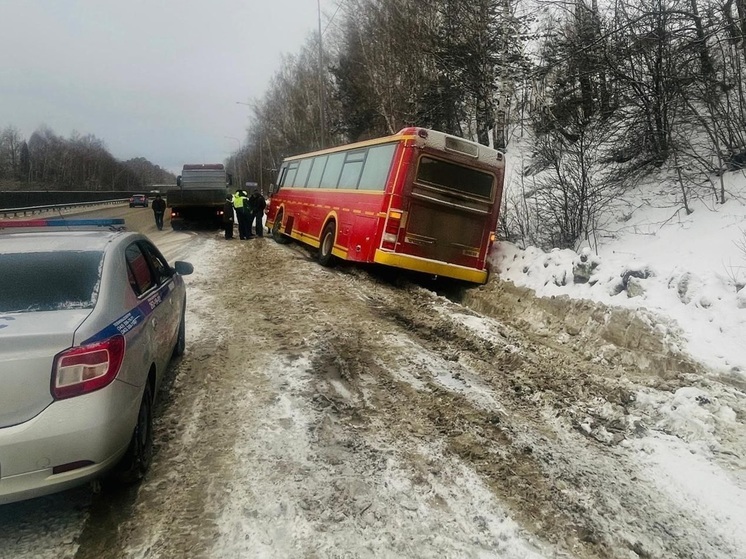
493,237
391,233
83,369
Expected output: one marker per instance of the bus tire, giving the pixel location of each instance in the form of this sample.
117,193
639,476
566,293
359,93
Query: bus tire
327,244
276,233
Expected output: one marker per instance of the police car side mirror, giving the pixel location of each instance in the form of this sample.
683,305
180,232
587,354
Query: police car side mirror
183,268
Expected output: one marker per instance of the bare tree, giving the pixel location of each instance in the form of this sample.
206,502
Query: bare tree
561,208
10,152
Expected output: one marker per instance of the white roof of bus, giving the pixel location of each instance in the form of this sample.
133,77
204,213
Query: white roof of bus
434,139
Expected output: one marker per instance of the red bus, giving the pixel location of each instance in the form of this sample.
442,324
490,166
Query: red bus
420,200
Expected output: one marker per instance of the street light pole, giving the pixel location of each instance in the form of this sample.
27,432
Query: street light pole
261,163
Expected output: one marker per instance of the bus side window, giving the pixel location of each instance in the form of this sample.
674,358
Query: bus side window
333,169
377,167
314,178
351,169
292,170
302,176
281,177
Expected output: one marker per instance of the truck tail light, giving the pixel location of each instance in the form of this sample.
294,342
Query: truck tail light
391,232
83,369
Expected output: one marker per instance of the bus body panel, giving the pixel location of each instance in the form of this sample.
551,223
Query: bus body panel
356,217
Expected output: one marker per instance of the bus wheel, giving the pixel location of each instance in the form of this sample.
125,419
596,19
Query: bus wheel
327,243
276,234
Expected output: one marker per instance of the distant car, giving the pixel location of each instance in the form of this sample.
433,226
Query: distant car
138,200
89,320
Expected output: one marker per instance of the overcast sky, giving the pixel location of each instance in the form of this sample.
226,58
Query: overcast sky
151,78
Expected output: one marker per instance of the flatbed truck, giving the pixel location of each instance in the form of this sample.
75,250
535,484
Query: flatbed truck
199,196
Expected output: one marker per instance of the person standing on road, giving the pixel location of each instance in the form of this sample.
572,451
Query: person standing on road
257,203
240,203
228,217
159,208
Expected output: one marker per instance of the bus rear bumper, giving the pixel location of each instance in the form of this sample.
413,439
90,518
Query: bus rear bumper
431,267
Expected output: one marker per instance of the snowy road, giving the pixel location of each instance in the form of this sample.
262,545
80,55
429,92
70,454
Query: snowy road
331,413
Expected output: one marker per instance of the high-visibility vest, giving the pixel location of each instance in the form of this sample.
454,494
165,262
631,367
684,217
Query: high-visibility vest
238,201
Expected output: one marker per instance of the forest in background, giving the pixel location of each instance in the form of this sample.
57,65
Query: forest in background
50,162
596,95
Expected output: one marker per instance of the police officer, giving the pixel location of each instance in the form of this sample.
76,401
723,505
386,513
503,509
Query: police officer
240,203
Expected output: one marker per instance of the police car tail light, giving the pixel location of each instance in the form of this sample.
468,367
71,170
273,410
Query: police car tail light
83,369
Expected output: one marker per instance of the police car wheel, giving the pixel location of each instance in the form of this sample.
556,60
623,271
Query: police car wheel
139,455
181,337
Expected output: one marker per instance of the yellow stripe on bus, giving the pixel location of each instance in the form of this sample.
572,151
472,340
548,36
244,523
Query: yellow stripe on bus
430,267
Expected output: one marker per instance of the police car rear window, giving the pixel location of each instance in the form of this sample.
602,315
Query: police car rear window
49,281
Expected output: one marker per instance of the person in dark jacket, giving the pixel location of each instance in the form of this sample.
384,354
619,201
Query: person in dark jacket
257,203
159,208
228,217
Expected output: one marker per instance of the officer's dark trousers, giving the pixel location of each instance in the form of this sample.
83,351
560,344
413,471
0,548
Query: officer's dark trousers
257,218
244,225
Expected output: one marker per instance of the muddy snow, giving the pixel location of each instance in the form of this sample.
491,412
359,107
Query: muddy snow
336,413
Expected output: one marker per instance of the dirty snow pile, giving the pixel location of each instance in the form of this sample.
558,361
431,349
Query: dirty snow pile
689,268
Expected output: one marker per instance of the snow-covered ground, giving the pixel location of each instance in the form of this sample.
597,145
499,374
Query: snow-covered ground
689,270
694,267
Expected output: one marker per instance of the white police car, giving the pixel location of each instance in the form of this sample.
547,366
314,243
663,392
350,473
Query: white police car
90,316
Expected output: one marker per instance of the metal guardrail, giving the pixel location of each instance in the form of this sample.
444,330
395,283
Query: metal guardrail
32,210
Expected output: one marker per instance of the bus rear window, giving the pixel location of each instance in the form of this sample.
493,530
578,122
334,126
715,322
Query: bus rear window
451,176
25,283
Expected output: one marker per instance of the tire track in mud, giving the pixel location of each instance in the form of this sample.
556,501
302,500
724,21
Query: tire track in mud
177,505
577,489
